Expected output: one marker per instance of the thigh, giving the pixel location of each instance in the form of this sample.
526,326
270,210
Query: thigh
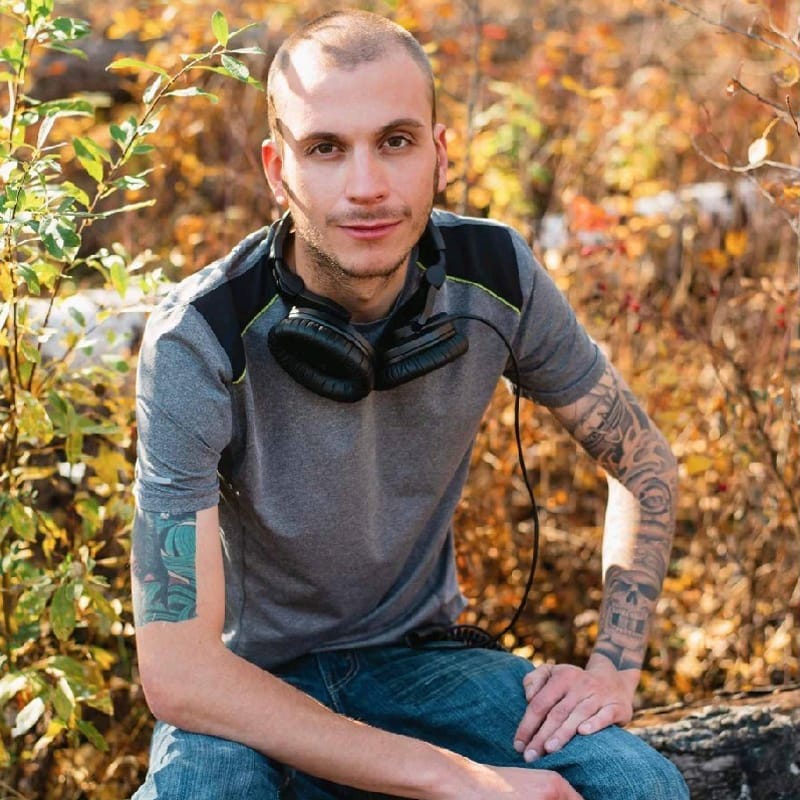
472,700
191,765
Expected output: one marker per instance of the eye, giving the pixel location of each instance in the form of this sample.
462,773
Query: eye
322,149
397,141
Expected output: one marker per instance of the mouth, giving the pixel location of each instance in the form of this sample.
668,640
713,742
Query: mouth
374,229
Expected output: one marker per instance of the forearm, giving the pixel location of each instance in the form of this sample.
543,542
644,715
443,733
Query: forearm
228,697
640,516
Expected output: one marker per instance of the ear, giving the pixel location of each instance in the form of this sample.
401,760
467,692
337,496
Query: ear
440,142
273,168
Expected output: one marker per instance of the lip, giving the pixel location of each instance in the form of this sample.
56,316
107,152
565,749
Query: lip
370,230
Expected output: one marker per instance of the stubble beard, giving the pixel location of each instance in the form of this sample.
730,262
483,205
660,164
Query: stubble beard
333,272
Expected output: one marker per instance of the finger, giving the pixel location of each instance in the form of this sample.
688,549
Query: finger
556,732
536,680
604,717
538,708
559,726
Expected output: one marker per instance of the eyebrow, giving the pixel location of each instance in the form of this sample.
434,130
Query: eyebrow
330,136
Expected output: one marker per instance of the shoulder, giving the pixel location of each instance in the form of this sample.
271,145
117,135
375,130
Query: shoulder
218,301
487,253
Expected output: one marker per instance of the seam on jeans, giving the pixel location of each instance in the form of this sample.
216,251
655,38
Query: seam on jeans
333,686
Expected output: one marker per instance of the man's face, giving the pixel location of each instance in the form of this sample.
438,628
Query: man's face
358,163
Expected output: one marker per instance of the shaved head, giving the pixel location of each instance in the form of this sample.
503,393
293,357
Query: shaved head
341,40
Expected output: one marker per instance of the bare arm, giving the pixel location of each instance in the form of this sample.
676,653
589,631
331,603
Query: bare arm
640,519
194,682
564,700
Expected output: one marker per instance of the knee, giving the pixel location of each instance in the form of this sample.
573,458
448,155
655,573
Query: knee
184,764
654,777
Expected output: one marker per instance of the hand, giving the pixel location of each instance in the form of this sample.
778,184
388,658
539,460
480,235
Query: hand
514,783
564,700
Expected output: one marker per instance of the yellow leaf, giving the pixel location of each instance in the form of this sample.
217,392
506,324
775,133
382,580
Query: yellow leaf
714,259
736,243
6,283
788,76
696,464
758,151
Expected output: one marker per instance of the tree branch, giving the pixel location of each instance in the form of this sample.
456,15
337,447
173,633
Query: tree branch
794,55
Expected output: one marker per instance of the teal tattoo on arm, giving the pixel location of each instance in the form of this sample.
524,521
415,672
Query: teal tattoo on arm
164,567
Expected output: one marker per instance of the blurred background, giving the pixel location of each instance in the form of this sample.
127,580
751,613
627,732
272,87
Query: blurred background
650,152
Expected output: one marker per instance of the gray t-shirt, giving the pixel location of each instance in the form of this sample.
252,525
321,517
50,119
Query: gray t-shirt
336,518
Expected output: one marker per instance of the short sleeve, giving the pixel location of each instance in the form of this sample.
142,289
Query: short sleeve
558,360
183,412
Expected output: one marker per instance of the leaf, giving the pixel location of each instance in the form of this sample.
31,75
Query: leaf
63,699
194,91
44,130
62,611
28,717
736,243
219,27
92,734
35,426
10,685
235,68
135,63
118,276
758,151
696,464
22,520
90,146
70,28
87,160
152,90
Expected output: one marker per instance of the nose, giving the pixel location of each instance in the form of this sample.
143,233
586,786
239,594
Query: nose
367,180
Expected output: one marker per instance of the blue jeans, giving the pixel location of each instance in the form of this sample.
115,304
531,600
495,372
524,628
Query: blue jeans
466,700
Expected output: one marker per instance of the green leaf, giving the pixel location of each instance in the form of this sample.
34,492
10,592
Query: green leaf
30,277
21,519
74,107
124,133
71,190
235,68
74,446
61,47
62,611
70,28
118,275
28,717
219,27
59,236
92,734
88,160
98,152
135,63
63,699
193,91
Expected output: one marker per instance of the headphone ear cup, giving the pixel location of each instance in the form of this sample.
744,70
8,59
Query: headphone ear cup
415,354
323,355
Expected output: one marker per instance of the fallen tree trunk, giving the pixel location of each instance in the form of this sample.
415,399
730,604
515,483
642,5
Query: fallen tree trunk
742,747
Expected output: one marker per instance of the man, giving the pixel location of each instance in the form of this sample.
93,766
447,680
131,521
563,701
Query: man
272,624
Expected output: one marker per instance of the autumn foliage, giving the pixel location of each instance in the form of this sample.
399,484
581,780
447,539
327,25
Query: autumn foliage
649,150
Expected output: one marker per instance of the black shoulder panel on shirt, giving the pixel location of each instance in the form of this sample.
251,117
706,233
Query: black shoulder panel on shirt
484,254
232,306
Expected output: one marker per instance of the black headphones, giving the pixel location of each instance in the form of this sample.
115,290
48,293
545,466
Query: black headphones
320,349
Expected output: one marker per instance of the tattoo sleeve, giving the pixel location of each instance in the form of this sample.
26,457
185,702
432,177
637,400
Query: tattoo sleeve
612,427
164,567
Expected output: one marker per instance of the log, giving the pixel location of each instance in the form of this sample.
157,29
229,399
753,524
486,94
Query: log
738,747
